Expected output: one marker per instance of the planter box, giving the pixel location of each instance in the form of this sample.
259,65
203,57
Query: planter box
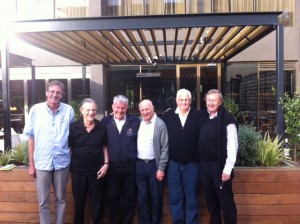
263,195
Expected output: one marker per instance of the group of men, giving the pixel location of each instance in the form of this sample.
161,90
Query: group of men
182,148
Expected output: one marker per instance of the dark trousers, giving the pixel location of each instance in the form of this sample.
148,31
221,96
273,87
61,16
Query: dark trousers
83,185
149,192
217,199
121,192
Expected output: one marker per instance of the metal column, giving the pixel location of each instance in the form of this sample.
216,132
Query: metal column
6,95
83,81
280,78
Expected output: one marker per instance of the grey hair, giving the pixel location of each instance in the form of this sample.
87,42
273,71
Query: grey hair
120,98
183,92
56,83
213,91
87,100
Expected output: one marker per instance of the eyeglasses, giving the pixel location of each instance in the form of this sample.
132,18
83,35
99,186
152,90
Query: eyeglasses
54,92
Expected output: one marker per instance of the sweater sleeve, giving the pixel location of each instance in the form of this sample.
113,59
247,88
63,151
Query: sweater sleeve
164,147
232,148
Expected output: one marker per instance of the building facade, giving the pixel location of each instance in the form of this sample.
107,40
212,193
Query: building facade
249,78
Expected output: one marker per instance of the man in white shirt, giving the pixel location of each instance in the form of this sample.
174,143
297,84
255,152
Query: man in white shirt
151,163
218,145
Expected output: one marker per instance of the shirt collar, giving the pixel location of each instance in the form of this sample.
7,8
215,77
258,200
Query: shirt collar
50,110
210,116
152,119
177,111
124,118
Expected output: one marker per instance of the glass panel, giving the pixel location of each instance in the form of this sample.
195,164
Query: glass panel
241,85
198,6
77,88
40,92
287,6
188,80
208,80
161,90
35,9
71,8
17,105
267,101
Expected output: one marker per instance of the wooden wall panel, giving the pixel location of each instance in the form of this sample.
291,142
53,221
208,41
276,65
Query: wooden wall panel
265,196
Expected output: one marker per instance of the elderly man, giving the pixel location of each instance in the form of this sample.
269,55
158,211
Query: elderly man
150,166
183,167
48,150
122,129
218,145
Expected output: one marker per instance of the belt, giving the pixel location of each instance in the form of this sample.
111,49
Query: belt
147,160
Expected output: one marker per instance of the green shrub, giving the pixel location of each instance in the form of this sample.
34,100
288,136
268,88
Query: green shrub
19,155
291,107
5,158
231,106
270,151
75,104
248,139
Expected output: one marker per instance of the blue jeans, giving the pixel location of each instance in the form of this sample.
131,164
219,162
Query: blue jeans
183,185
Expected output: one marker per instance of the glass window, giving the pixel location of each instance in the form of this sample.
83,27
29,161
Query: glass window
256,94
35,9
151,7
77,89
40,91
71,8
158,85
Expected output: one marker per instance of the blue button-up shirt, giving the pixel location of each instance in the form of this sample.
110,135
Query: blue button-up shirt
50,132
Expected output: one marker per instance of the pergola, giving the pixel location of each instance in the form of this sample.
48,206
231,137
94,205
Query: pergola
140,40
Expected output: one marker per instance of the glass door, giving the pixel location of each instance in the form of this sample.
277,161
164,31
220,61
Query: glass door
210,78
188,77
198,79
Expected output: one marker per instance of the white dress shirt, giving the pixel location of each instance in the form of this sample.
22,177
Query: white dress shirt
145,139
181,116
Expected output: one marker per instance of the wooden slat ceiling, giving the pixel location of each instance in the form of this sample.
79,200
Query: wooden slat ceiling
133,43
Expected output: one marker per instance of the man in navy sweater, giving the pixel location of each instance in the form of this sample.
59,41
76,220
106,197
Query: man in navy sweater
183,167
122,129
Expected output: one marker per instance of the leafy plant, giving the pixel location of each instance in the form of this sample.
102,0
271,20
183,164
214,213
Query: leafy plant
248,139
19,155
75,104
231,106
4,158
291,107
270,151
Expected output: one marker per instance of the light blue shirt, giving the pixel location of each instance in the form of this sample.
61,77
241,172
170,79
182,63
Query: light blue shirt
50,132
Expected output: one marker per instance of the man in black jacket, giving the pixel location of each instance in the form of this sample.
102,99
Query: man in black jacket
122,129
183,167
218,145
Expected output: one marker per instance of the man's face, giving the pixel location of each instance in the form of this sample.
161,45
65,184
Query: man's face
119,110
183,102
88,111
54,94
146,110
213,102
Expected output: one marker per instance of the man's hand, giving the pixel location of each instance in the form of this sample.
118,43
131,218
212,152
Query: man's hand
31,172
160,175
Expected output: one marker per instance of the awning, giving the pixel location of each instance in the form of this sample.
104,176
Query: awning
175,39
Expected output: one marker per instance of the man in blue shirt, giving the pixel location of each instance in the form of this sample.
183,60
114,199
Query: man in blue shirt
122,129
49,155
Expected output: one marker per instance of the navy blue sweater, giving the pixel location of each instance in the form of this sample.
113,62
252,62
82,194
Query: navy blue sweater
183,140
122,147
